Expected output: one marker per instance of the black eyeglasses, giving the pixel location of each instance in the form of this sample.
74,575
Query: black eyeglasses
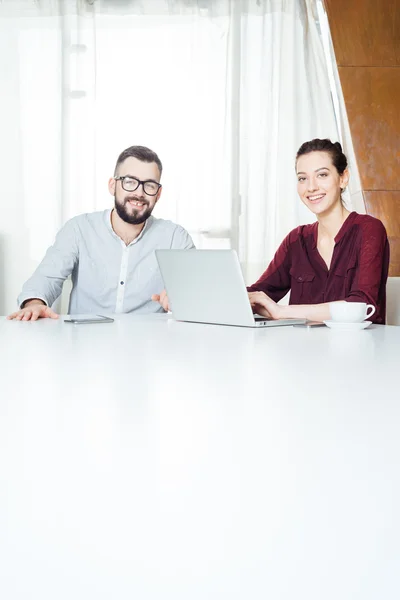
130,184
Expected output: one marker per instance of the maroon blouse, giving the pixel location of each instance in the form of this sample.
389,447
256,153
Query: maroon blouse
358,271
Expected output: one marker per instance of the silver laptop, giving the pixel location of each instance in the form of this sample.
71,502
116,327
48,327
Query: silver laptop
207,286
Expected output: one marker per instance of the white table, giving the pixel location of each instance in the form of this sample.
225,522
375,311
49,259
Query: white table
154,460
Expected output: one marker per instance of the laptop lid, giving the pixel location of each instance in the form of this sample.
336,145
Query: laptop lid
205,286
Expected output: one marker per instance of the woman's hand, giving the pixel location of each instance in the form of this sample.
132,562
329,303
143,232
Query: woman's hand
264,306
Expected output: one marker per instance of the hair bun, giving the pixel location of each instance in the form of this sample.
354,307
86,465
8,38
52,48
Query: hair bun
325,145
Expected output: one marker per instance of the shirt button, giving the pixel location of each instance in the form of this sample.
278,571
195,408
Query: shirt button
300,279
121,282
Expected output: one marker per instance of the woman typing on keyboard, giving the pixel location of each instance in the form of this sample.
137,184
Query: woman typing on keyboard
343,256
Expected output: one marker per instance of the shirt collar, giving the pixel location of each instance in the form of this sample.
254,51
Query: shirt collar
342,231
345,227
107,218
315,233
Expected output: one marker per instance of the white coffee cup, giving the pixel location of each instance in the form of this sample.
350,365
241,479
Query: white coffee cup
350,312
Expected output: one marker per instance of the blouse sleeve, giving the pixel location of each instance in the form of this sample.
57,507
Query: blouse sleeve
275,281
373,265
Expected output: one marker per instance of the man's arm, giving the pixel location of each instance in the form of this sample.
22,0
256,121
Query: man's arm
181,240
26,303
45,285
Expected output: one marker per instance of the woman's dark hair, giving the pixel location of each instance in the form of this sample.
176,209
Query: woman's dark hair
333,149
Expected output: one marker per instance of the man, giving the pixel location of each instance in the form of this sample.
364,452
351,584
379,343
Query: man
109,254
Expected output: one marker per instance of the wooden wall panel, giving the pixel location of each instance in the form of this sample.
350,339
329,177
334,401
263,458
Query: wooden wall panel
366,40
364,31
386,207
372,98
394,268
396,28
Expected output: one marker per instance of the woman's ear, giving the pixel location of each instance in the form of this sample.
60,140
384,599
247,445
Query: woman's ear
344,179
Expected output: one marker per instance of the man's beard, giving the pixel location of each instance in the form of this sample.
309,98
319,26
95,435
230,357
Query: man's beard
132,217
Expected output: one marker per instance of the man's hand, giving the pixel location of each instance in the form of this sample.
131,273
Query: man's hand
32,311
264,306
162,299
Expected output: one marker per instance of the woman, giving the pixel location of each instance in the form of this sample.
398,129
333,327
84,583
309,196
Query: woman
343,256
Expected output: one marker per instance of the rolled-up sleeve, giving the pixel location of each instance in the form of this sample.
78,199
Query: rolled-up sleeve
373,265
47,281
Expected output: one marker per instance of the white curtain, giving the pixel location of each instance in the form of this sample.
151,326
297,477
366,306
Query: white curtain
225,91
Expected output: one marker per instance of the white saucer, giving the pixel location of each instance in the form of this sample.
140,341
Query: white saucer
348,326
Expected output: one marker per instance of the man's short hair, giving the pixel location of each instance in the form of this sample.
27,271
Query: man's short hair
141,153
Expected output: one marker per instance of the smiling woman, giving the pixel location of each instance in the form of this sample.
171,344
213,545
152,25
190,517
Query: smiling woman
343,256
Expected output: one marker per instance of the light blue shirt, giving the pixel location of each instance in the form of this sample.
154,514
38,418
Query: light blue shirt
107,276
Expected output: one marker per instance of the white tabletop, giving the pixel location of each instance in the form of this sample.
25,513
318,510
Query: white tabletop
153,460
